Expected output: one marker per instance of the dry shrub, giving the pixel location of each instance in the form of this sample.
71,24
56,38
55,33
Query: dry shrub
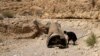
1,18
1,40
33,11
37,11
91,41
8,14
97,5
58,6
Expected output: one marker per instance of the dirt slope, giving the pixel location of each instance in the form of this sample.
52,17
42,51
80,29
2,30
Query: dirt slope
53,8
37,47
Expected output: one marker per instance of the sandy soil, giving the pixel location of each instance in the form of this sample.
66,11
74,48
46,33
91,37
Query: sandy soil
37,46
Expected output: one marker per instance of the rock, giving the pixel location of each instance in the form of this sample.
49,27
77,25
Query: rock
26,28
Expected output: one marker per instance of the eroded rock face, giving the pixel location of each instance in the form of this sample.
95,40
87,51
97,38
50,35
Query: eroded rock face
25,25
33,28
26,28
71,8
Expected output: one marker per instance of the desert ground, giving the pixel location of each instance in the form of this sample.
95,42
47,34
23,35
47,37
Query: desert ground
11,46
20,36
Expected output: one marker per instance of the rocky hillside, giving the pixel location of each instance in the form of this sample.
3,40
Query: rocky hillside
23,24
88,9
17,38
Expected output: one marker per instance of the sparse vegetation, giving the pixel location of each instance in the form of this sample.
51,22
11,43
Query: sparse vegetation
18,0
8,14
1,18
68,8
1,40
91,41
93,3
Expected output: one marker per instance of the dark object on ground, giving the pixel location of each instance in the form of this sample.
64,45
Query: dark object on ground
71,36
56,37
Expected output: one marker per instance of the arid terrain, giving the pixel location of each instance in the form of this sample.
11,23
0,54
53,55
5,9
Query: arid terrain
12,45
76,9
20,35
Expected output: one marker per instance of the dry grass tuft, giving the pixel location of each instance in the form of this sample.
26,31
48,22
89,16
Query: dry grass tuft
8,14
91,41
1,40
1,18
